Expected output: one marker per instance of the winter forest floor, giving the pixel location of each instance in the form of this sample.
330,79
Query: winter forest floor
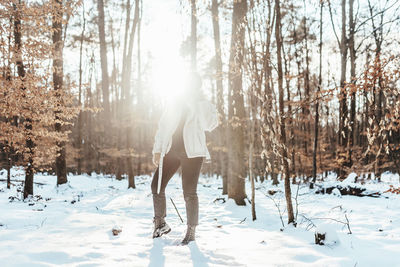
72,226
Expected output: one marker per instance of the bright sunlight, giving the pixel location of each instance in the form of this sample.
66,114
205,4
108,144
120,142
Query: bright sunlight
167,77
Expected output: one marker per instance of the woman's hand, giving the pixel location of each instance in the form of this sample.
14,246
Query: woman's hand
156,158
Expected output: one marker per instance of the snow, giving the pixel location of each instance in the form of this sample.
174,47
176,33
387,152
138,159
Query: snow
72,225
351,178
331,237
336,192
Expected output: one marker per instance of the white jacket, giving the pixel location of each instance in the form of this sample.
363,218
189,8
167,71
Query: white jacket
201,117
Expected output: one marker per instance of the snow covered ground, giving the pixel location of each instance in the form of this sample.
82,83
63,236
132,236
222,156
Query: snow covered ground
72,226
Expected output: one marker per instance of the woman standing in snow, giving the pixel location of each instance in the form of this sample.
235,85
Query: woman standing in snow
180,141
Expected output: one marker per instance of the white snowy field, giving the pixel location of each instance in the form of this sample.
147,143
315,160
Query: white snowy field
72,226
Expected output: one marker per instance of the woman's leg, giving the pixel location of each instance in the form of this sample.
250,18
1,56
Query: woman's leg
170,166
190,176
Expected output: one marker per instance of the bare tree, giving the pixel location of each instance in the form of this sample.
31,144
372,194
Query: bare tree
236,112
103,58
220,91
193,35
282,122
61,165
316,126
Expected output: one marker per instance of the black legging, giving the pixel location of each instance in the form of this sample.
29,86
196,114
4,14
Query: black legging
190,176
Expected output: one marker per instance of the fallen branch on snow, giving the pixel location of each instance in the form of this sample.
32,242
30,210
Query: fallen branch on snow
21,181
348,190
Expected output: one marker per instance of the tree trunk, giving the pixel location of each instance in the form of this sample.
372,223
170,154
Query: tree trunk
378,96
267,105
131,176
343,110
291,133
252,119
278,38
9,166
61,165
127,68
236,113
193,36
220,98
353,81
89,156
103,59
316,126
118,161
29,169
306,118
80,122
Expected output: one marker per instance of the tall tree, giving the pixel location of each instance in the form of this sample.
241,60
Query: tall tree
80,119
316,122
220,90
342,135
103,58
193,35
378,91
236,112
267,111
61,165
343,109
29,169
352,50
127,67
30,128
282,122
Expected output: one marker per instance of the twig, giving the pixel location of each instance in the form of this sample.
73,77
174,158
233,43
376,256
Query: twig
339,206
332,219
41,225
279,210
345,223
310,222
176,209
348,223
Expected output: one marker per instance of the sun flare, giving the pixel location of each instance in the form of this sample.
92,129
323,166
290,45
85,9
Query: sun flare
168,77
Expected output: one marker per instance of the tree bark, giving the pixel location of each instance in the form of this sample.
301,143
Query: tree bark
316,126
343,110
353,81
193,36
252,119
378,96
9,166
29,169
267,106
61,165
80,121
103,59
236,113
291,133
278,38
306,118
129,163
220,98
127,68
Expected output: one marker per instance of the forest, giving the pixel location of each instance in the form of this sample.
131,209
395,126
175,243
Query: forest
304,90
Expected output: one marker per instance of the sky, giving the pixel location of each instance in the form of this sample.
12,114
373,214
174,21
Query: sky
166,24
162,35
